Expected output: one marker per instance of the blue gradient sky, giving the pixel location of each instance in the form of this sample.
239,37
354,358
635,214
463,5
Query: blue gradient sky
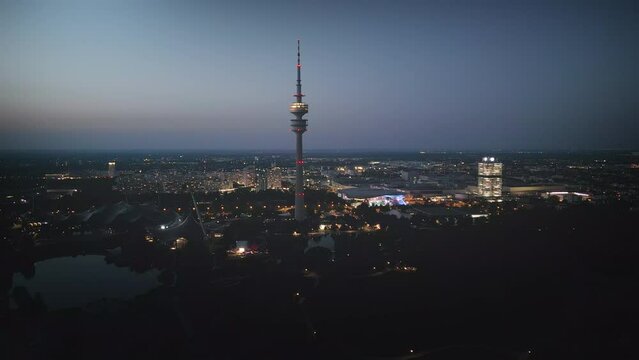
129,74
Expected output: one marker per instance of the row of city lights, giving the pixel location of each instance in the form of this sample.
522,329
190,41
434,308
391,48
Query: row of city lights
250,207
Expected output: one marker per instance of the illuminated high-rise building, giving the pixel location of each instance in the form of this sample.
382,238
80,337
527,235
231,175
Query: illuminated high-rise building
489,178
299,109
261,179
111,169
274,178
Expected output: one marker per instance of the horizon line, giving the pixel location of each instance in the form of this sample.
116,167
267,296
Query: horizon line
273,150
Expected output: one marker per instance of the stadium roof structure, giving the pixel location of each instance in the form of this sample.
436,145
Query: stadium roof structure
121,213
188,228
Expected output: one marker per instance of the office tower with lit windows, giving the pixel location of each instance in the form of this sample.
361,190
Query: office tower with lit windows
489,178
274,178
261,179
299,109
111,169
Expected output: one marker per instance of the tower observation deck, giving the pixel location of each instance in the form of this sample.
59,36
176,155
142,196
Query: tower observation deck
298,125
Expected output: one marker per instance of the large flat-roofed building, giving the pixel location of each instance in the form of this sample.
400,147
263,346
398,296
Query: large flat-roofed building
489,178
533,189
568,196
373,196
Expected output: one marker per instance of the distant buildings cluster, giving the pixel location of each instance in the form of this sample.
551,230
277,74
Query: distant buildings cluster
176,181
449,190
268,178
377,182
418,183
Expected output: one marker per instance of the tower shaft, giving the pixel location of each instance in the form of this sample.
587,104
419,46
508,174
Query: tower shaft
298,125
299,180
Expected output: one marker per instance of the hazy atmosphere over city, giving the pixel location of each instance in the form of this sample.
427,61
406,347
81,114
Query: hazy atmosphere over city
397,75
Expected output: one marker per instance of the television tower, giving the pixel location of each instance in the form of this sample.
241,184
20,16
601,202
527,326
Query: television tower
299,109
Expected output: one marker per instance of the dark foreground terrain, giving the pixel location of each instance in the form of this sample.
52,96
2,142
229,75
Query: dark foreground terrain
539,284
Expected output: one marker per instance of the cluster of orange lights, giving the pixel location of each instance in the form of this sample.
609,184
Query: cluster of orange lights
300,162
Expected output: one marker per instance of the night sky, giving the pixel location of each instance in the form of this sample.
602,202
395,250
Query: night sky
418,75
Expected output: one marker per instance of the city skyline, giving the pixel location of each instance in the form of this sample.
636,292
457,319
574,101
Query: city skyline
464,76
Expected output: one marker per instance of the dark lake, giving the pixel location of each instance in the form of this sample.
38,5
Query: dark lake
75,281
